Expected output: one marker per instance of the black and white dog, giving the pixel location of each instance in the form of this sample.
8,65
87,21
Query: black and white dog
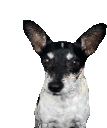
64,99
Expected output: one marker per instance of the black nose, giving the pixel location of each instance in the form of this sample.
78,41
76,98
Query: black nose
55,86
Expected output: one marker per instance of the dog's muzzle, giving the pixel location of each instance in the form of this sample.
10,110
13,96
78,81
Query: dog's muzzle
55,86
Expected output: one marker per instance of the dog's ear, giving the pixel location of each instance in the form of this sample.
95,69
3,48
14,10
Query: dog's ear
36,35
90,40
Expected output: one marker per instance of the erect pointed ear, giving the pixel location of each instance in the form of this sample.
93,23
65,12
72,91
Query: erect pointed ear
36,35
90,40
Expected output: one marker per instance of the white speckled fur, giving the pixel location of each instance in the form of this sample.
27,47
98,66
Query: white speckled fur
62,111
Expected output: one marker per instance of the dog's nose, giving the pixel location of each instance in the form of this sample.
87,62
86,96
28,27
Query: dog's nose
55,86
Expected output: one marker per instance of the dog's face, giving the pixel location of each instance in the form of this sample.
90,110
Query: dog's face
63,62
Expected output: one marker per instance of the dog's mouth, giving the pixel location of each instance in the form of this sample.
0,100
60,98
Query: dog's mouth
56,94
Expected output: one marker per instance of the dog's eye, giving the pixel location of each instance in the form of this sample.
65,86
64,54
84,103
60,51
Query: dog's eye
72,64
75,64
45,61
48,63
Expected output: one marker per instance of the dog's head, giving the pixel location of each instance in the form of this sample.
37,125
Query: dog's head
63,61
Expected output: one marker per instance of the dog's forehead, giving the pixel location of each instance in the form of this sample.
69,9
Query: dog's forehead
65,50
60,50
59,54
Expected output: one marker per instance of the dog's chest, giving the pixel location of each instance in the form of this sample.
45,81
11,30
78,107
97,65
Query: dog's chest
62,109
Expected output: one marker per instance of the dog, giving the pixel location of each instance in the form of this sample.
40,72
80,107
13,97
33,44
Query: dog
64,98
